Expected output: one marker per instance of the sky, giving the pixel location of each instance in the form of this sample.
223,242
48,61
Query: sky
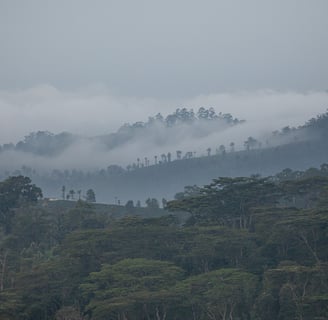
165,49
89,66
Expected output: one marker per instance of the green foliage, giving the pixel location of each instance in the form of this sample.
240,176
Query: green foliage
227,201
15,192
253,248
136,286
82,217
90,196
296,292
220,294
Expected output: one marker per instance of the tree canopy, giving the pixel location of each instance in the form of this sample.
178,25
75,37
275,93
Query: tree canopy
252,248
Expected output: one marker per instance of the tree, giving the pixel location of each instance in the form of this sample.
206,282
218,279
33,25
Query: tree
72,193
90,196
152,203
295,291
63,192
222,149
131,287
15,192
129,204
82,217
188,155
220,294
227,200
250,143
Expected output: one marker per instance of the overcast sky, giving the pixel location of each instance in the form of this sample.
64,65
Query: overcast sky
165,49
88,66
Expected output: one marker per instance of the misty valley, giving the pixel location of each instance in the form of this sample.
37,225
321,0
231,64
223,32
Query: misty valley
158,158
232,230
163,160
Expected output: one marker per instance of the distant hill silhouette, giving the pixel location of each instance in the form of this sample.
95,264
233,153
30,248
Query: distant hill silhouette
296,148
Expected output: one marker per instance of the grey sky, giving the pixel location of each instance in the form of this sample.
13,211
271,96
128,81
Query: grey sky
165,49
93,111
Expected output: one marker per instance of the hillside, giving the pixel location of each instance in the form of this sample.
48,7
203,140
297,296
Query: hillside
295,148
158,129
251,248
110,211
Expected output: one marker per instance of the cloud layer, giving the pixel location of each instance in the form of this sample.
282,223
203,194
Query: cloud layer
95,111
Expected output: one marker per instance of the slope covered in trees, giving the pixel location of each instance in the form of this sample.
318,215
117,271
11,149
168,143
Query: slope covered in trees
252,248
166,173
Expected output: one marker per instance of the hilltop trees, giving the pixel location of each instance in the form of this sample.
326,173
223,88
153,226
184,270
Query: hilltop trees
45,143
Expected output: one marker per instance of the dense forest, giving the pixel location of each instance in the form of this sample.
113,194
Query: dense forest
237,248
166,173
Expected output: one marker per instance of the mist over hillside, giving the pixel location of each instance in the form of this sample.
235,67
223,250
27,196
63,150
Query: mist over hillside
88,132
132,145
163,160
157,158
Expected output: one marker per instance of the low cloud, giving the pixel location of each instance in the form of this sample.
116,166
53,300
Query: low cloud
91,111
95,111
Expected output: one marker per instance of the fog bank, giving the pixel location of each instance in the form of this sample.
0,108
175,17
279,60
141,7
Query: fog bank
95,111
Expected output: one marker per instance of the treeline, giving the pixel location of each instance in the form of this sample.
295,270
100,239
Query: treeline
304,146
251,248
44,143
183,115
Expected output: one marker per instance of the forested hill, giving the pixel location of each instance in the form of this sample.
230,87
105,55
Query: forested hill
252,248
203,122
167,173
